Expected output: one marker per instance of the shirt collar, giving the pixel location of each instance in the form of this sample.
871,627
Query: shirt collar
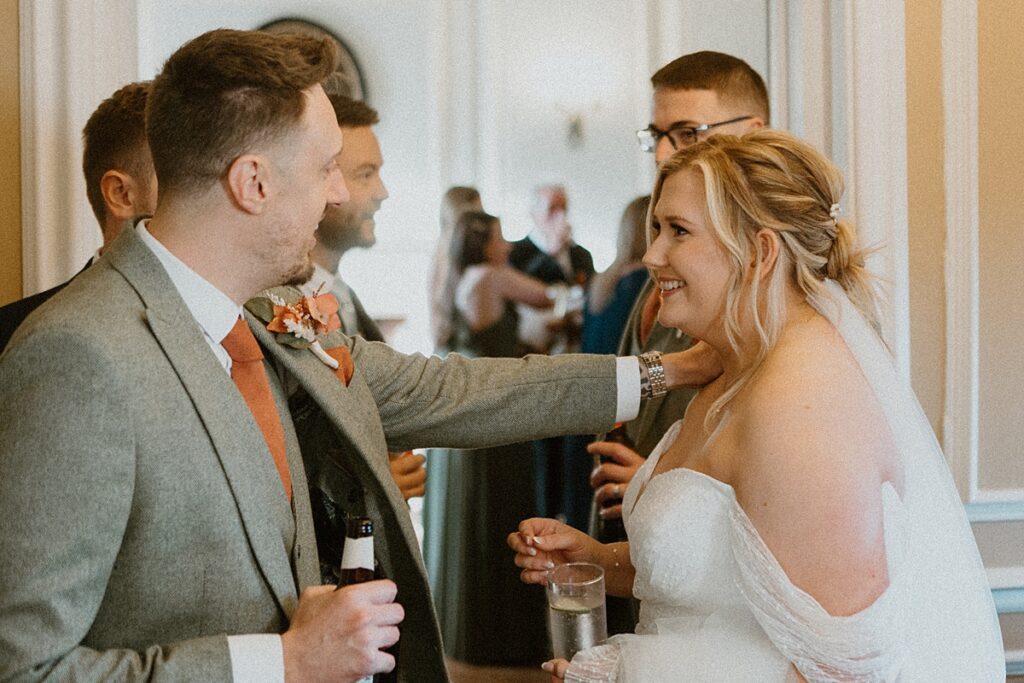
322,280
214,310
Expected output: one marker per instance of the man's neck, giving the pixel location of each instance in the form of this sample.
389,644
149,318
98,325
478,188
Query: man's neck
326,258
201,243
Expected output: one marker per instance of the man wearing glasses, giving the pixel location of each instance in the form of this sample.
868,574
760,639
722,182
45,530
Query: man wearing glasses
696,95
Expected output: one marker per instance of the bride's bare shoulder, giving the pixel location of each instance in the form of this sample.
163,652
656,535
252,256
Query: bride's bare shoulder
816,449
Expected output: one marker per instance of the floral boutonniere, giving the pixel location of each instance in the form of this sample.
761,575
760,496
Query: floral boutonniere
301,325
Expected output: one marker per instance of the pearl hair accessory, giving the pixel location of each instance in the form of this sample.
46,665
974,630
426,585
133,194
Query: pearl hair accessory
833,213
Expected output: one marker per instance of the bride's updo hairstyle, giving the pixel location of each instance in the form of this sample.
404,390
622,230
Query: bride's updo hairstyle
769,179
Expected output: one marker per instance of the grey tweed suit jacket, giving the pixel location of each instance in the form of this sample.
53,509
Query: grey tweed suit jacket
142,516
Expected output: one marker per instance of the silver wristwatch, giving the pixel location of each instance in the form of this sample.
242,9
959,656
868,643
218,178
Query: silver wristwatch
652,375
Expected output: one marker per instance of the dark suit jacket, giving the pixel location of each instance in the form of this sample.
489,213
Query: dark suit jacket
657,415
527,257
14,313
143,517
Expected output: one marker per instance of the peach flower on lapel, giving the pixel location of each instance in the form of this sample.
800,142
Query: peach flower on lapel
303,324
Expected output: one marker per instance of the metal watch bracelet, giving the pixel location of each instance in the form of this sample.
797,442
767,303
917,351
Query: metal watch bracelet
652,375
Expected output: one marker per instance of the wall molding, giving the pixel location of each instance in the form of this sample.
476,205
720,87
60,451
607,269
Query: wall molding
73,55
876,116
960,113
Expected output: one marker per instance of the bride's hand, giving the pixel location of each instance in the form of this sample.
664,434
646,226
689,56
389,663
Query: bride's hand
557,668
541,544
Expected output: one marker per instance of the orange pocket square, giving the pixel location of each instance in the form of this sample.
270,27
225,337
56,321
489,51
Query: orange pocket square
345,365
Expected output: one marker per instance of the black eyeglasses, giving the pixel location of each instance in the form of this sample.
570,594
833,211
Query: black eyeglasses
678,136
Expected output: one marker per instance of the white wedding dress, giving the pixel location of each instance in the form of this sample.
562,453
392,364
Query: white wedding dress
717,606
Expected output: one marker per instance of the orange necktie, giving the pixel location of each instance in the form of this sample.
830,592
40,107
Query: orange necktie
250,377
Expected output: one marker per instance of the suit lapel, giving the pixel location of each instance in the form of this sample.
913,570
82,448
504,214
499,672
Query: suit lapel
353,412
358,420
230,426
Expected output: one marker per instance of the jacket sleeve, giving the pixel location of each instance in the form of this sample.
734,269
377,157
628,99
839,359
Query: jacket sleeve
458,402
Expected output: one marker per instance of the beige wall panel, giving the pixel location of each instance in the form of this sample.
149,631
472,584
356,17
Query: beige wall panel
1001,212
10,155
926,206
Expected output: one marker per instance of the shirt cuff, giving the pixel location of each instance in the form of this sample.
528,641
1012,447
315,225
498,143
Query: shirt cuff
256,658
627,383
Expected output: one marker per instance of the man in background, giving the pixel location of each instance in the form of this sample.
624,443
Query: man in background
350,225
119,182
696,95
549,254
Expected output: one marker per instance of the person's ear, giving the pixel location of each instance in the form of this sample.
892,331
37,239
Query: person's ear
120,194
246,181
768,251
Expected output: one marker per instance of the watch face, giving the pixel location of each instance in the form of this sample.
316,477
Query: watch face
347,78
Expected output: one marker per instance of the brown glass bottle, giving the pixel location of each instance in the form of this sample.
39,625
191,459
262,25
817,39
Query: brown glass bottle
357,556
613,530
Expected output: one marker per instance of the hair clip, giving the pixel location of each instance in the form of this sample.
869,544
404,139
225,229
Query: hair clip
833,213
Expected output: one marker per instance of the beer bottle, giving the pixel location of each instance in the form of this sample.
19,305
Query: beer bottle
613,530
357,556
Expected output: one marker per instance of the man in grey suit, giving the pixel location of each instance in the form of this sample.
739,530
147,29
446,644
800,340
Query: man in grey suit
156,513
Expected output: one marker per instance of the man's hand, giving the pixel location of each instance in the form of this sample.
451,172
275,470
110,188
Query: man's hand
338,635
694,367
609,479
408,472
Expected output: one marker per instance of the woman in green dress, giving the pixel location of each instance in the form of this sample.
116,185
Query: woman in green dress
488,617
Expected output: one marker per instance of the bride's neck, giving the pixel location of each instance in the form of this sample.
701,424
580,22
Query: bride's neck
736,359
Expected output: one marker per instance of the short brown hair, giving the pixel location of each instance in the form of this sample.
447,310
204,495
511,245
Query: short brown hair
224,93
114,138
352,113
730,77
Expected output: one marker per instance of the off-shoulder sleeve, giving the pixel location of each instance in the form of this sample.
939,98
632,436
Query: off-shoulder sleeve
866,646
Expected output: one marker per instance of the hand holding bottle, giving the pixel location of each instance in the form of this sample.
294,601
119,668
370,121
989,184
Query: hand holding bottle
609,479
341,634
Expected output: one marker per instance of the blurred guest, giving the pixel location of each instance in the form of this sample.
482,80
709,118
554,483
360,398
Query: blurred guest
456,201
613,291
549,254
607,306
472,494
119,182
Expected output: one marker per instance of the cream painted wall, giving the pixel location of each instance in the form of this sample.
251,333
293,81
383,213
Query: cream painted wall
997,497
926,203
10,155
1001,242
